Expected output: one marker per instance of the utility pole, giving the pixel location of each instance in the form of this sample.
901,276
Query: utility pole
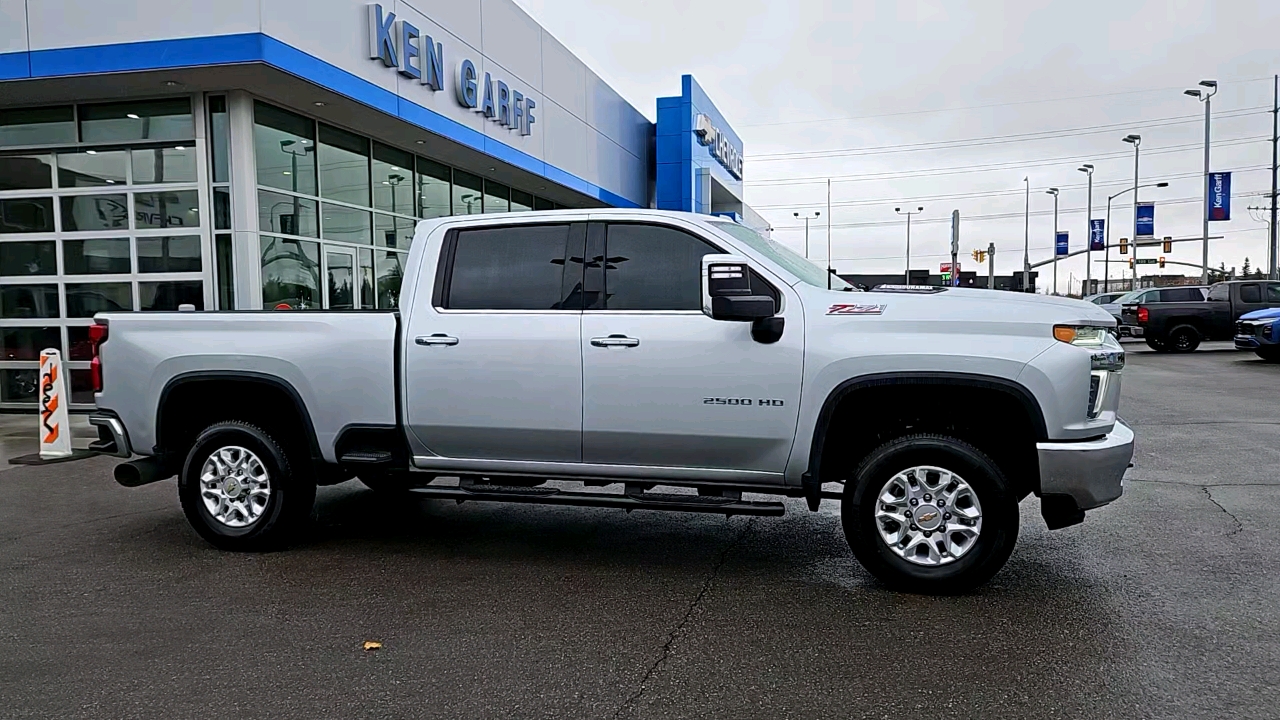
909,213
806,217
1054,193
1026,240
1088,229
991,266
955,247
828,233
1275,164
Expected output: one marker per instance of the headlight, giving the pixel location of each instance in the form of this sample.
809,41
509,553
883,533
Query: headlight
1081,335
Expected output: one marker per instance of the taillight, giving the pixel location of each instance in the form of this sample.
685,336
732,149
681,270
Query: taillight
97,336
1143,315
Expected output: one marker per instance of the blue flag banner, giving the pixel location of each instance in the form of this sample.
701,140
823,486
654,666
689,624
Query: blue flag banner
1097,234
1220,196
1145,223
1060,243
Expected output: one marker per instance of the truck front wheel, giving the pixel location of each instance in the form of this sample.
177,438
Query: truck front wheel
239,490
930,514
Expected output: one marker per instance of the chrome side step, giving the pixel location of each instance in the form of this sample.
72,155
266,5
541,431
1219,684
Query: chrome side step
632,500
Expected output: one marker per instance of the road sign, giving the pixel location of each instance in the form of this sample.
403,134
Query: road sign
1147,261
945,268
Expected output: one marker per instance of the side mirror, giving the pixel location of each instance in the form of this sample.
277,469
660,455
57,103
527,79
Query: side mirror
726,290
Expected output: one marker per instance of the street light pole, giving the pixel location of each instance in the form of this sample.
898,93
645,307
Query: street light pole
1136,141
1211,89
1107,257
1088,230
909,213
806,217
1054,193
1026,239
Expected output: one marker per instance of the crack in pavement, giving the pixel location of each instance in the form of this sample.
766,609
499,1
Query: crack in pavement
1239,525
688,615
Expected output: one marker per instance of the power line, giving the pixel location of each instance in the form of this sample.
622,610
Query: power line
1001,139
994,105
956,169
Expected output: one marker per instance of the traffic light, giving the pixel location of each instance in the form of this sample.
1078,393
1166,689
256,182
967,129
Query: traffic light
1124,247
1168,246
979,256
1130,263
1162,260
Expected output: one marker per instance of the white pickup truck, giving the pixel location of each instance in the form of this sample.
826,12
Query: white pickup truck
685,358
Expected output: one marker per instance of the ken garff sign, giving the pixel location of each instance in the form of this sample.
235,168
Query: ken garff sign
722,148
397,43
1097,234
1144,225
1220,196
1060,246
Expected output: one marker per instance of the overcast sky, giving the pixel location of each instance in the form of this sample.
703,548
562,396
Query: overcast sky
853,83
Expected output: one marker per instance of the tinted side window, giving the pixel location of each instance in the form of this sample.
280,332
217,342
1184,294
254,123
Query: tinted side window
513,268
1181,295
1251,293
1273,292
1220,292
650,267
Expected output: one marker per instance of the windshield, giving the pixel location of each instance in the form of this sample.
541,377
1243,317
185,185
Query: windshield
789,259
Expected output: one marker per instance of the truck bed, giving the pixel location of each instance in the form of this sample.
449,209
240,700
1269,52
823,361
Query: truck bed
340,364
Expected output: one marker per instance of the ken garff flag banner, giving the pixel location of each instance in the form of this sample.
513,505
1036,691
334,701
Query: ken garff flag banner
1220,196
1145,223
1097,234
1060,243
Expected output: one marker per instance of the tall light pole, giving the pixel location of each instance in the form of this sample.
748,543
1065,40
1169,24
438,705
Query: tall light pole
909,213
1107,257
1054,193
806,217
1026,239
1210,89
1135,141
1088,231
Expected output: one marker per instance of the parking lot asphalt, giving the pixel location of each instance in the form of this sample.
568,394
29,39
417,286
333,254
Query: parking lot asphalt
1165,604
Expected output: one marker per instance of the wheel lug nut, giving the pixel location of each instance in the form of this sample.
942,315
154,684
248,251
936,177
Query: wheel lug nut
946,516
907,513
928,533
942,503
914,528
914,502
927,497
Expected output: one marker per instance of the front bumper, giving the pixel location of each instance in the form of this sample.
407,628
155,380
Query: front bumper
1247,342
1090,473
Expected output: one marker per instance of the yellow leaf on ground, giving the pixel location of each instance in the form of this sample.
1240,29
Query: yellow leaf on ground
372,645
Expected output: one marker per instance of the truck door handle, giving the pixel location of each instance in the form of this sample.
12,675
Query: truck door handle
615,341
436,339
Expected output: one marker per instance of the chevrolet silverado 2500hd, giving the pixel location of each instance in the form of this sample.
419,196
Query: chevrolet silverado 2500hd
640,348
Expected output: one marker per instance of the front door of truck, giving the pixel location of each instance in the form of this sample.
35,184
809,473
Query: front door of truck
492,364
663,384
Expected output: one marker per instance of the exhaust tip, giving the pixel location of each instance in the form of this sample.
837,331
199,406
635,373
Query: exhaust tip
138,472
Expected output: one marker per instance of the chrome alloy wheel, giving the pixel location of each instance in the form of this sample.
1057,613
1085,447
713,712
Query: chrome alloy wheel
235,486
928,515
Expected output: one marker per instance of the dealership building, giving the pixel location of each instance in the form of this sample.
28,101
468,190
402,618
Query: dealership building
273,154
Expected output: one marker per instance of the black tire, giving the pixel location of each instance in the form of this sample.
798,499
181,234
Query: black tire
288,504
1156,345
1269,354
982,560
1183,339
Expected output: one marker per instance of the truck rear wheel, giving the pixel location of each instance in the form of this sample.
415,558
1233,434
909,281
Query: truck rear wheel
239,490
1184,339
930,514
1156,345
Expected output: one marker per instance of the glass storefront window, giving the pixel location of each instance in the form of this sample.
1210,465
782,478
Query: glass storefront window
285,150
164,165
543,204
169,209
26,215
92,168
344,224
137,120
521,200
19,385
497,197
79,346
38,126
94,212
290,273
392,180
22,259
156,296
287,214
433,189
169,254
468,194
224,259
96,257
221,209
366,280
85,300
29,301
390,274
393,232
26,172
344,166
81,386
219,139
25,343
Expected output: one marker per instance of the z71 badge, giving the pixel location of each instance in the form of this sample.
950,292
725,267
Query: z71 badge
843,309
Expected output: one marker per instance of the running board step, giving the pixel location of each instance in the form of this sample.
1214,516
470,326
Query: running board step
366,457
628,502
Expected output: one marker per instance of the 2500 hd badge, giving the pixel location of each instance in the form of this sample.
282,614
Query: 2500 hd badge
742,402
